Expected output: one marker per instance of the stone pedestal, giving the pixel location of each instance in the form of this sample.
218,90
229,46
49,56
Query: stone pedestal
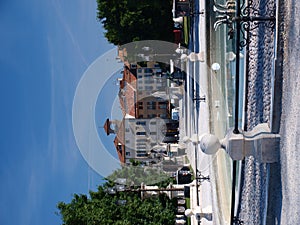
259,142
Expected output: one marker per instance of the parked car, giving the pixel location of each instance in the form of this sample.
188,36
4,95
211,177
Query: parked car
184,176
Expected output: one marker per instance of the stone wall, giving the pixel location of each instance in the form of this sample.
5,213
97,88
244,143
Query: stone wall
258,88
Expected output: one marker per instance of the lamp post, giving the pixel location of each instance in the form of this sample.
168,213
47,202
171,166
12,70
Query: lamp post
195,139
200,177
121,187
201,99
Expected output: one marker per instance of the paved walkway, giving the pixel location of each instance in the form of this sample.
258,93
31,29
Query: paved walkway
206,117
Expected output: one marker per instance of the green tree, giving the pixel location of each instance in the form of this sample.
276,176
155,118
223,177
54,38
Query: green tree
132,20
138,174
102,208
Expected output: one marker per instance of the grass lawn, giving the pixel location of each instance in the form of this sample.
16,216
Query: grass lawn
188,206
186,29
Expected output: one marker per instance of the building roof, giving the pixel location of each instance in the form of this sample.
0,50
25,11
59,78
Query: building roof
107,128
122,54
119,142
120,148
127,93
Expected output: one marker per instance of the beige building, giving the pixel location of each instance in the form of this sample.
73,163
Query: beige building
146,122
136,138
151,80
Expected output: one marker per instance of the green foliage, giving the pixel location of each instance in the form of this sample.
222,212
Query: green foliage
188,206
132,20
101,208
136,175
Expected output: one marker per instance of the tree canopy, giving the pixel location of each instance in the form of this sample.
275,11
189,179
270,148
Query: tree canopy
123,208
133,20
136,175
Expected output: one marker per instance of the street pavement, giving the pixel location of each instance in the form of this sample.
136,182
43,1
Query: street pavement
286,205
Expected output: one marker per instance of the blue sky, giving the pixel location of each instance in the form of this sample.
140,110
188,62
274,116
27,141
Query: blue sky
46,46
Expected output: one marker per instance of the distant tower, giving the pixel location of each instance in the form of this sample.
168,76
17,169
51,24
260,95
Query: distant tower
107,126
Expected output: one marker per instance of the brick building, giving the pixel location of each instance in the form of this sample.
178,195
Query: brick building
146,119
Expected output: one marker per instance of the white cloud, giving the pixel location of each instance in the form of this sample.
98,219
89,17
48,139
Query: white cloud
61,145
59,11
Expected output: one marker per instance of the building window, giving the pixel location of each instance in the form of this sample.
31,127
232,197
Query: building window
127,141
162,103
127,153
162,106
143,123
141,153
141,143
140,133
148,70
141,116
140,105
151,105
141,147
148,88
127,130
140,70
149,81
152,133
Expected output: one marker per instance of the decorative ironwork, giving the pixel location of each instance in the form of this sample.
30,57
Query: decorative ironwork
248,16
200,177
244,20
200,98
237,221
